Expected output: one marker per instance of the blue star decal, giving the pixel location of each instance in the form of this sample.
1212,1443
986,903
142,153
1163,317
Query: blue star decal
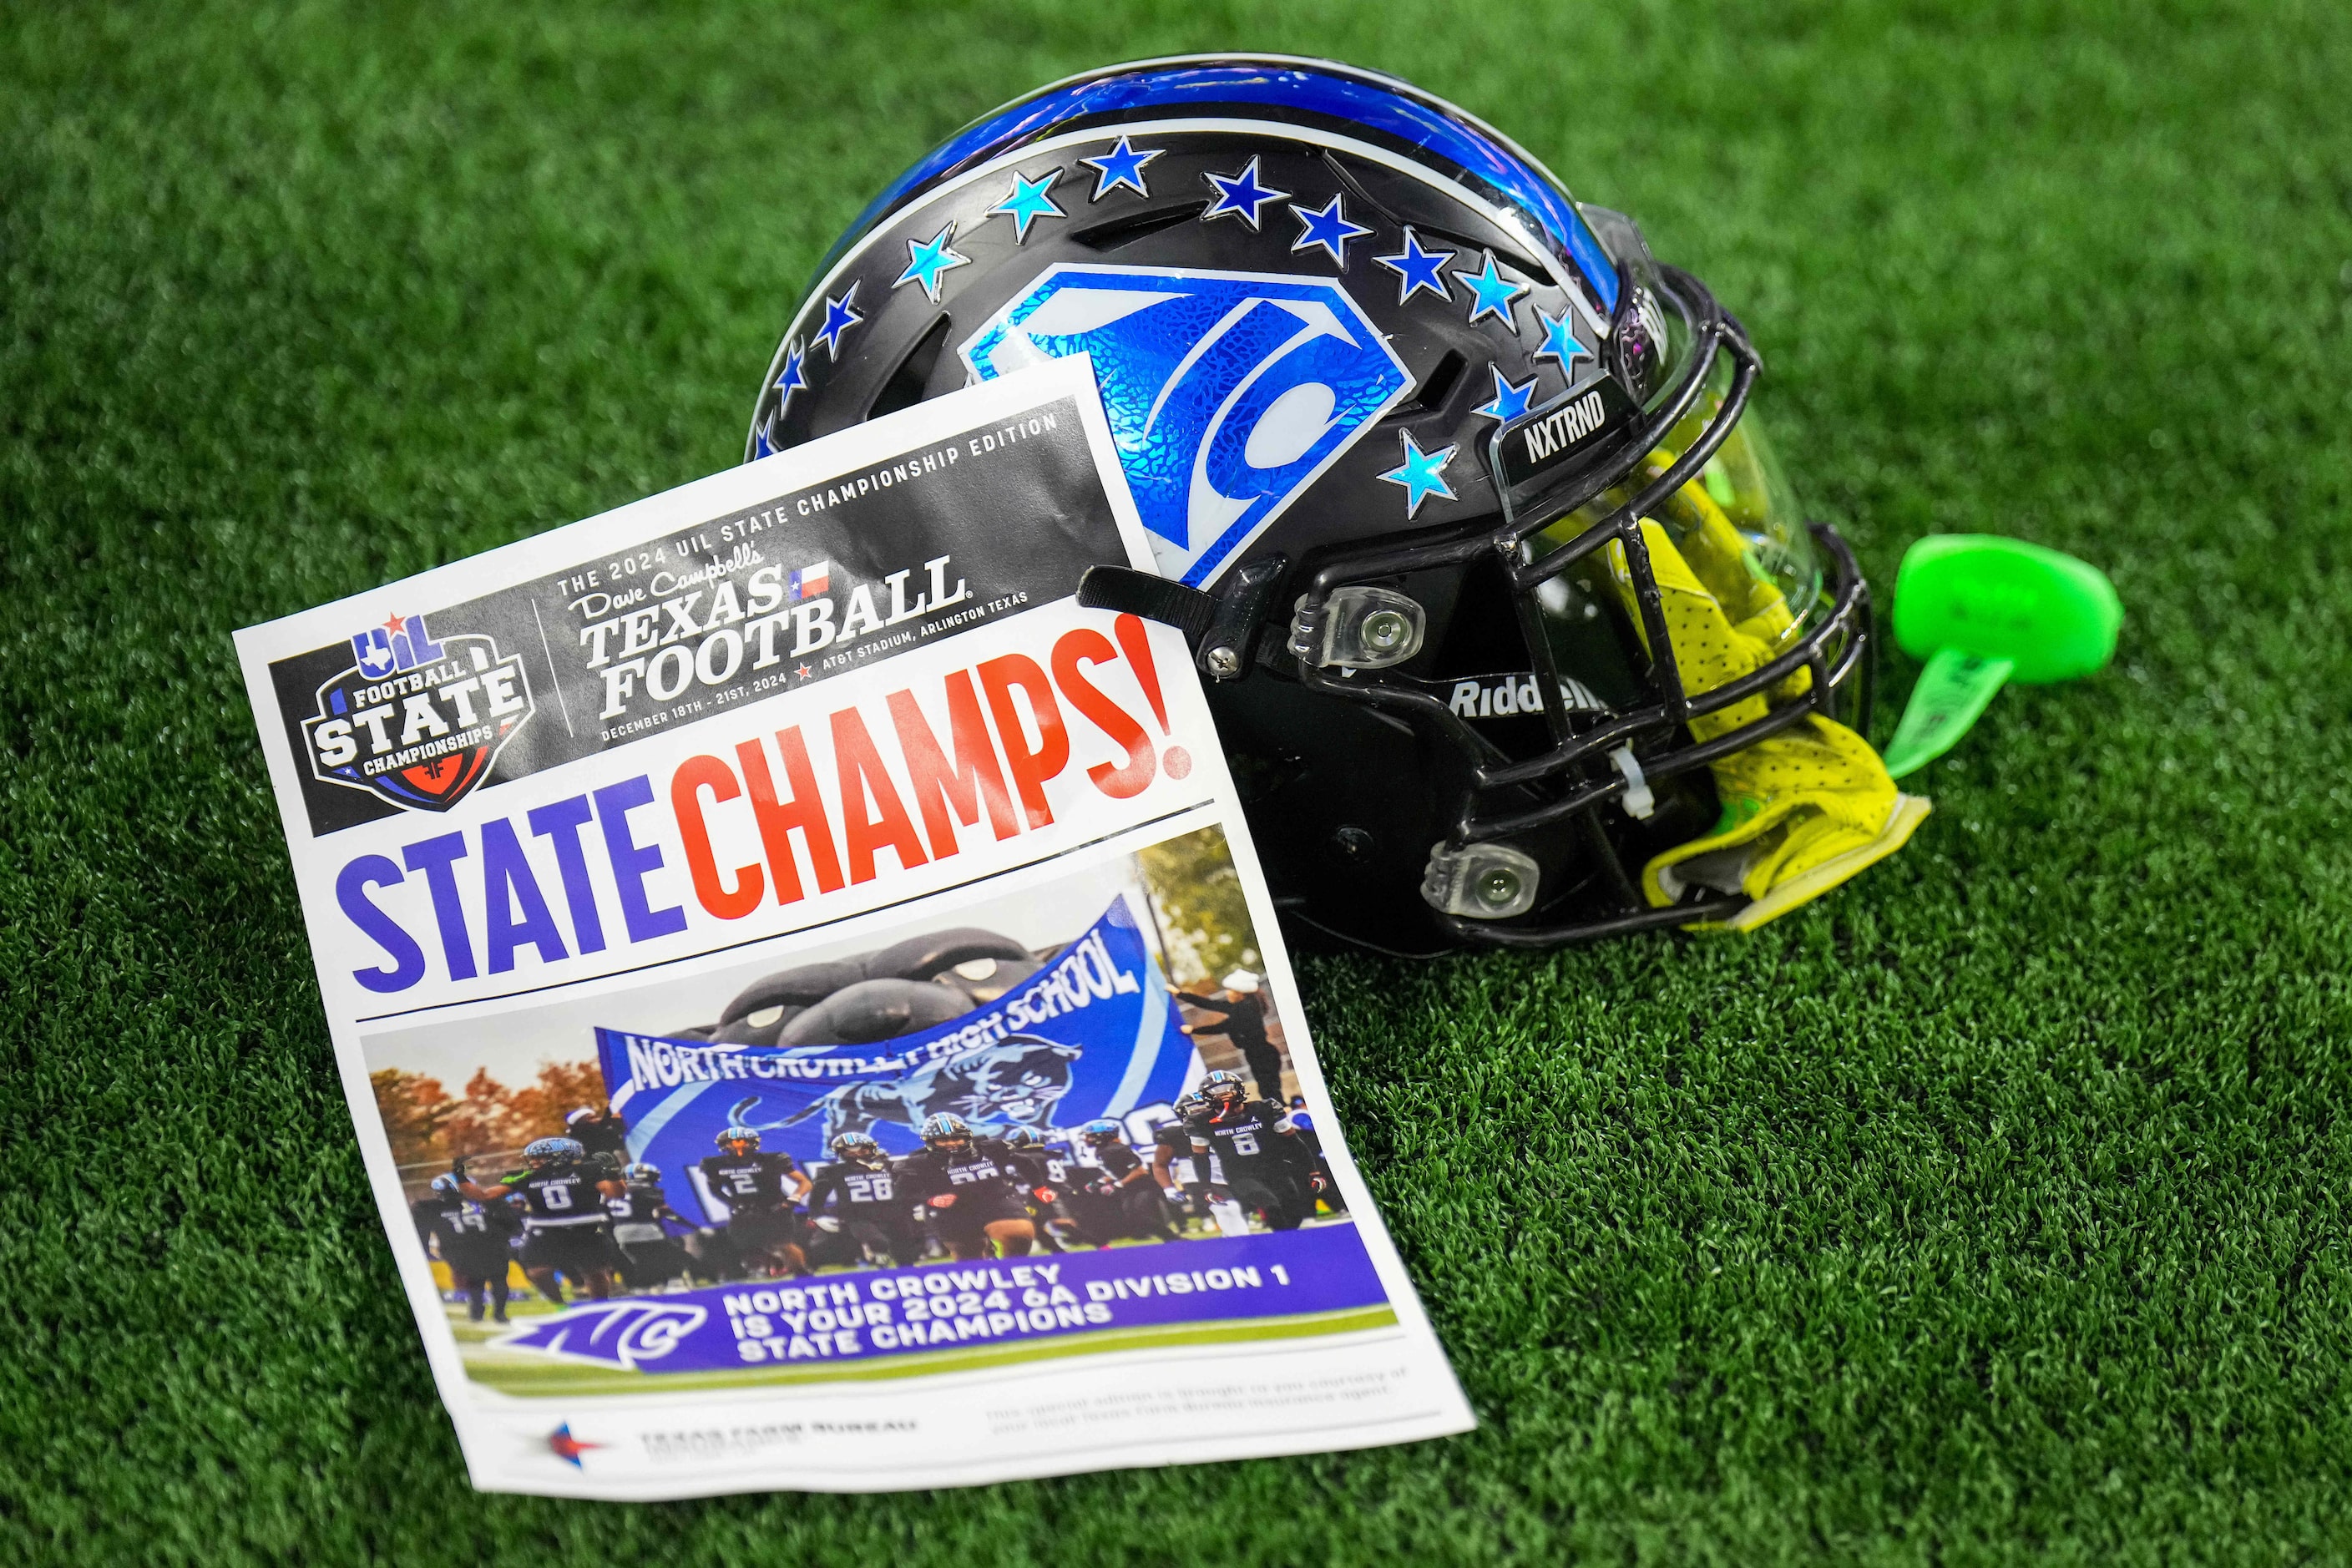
1491,293
1027,201
1417,268
1510,400
1422,475
1559,342
1327,227
1239,195
760,445
926,262
840,315
1122,165
794,377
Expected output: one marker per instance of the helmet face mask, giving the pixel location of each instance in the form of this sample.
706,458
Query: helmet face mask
1456,713
738,1140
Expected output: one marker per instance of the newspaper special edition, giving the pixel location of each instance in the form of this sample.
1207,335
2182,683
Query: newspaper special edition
789,961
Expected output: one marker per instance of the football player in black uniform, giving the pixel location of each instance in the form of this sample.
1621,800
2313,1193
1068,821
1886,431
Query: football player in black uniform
1185,1179
562,1192
472,1239
1120,1200
641,1216
973,1188
1045,1165
869,1212
760,1190
1260,1160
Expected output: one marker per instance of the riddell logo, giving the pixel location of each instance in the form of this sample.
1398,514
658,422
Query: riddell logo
418,720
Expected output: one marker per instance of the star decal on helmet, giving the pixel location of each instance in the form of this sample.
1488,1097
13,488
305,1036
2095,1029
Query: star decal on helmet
1510,399
760,445
840,315
794,377
1026,202
1559,342
1422,475
1327,227
1491,293
928,261
1122,165
1417,268
1241,195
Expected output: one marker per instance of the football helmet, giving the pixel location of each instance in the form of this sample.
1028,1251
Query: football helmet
1222,1088
548,1152
1022,1138
1101,1131
447,1186
857,1147
642,1172
739,1140
948,1131
1192,1103
1497,596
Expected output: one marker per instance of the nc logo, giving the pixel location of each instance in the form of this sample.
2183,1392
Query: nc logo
1228,393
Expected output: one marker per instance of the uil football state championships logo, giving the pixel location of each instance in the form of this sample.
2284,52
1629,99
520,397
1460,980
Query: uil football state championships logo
418,720
1228,393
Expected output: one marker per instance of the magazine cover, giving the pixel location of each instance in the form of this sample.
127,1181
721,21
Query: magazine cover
807,1000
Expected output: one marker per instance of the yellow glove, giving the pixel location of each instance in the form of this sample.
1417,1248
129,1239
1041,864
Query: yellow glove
1802,810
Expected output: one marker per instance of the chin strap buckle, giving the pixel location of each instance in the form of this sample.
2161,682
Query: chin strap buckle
1637,800
1221,627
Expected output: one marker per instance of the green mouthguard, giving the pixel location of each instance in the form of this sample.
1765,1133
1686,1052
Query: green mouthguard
1983,611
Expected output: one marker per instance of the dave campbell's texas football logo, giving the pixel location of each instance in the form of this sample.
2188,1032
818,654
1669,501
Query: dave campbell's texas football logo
415,720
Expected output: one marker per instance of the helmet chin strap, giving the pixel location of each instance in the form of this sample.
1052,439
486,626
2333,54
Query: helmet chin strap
1221,629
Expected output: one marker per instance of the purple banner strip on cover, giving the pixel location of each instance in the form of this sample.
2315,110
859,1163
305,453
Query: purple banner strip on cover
884,1312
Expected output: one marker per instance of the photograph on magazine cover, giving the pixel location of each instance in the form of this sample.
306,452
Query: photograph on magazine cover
1059,1119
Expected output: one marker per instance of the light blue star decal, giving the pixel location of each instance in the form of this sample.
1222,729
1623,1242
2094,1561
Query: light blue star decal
926,262
1560,342
793,379
1327,227
1491,293
1509,401
1422,475
1417,268
840,315
1122,165
1027,201
1239,195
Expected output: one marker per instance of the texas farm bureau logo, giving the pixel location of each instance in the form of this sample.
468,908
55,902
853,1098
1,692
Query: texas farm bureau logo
416,720
1228,393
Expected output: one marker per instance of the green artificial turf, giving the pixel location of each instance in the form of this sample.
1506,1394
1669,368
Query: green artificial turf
1994,1207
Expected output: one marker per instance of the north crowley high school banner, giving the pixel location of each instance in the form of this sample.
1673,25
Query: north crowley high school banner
1091,1035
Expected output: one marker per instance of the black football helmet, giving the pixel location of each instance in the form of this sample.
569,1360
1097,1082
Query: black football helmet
857,1148
1222,1090
1393,407
947,1131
